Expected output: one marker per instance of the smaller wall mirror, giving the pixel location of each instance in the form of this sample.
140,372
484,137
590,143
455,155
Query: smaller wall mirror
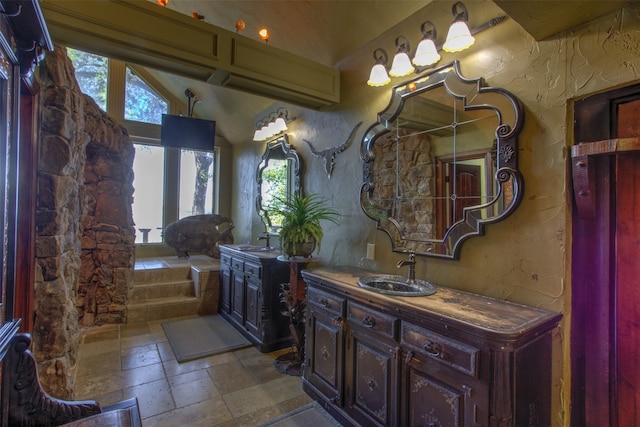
441,162
278,177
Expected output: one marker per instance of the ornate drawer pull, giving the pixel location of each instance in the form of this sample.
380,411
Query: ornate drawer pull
368,321
324,302
409,357
433,348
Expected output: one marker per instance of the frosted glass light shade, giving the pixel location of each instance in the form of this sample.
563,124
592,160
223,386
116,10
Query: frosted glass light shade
401,65
426,53
280,125
260,134
378,76
459,38
271,129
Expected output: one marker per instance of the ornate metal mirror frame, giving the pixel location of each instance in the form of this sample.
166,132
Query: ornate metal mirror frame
278,176
441,162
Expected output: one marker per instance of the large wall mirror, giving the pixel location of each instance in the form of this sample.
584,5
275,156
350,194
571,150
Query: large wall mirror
278,177
441,162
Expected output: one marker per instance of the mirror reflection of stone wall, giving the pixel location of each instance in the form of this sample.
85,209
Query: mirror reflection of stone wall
406,192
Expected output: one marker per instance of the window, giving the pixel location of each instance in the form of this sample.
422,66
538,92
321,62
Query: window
148,166
92,75
169,183
196,183
141,103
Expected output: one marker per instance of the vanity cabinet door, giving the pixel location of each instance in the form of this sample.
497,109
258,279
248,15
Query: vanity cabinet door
237,294
225,290
324,351
252,320
441,383
430,401
371,384
225,283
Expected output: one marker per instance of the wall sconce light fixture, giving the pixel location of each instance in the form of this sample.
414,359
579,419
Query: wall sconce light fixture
379,76
426,52
459,37
401,65
272,125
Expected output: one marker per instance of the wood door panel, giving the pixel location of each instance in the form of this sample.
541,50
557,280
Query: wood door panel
628,290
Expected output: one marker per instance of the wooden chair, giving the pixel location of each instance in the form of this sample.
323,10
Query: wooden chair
25,403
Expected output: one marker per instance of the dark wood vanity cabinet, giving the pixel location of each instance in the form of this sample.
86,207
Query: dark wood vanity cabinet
250,296
451,359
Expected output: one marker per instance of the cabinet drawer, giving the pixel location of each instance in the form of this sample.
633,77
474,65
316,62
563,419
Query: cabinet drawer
459,356
252,269
371,319
225,259
332,304
238,264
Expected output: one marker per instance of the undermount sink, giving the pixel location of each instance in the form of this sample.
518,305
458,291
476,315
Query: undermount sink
255,248
397,285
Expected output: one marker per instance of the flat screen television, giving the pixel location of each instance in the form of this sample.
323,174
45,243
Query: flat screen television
187,132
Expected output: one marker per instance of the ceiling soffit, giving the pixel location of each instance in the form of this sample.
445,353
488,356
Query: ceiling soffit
546,18
147,34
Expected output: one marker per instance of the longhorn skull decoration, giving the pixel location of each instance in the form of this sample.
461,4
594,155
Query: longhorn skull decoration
329,154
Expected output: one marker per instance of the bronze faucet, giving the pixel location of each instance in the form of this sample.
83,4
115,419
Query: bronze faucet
266,237
411,262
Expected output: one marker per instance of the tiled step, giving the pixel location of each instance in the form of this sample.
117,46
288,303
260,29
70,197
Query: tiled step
162,308
162,293
167,274
150,291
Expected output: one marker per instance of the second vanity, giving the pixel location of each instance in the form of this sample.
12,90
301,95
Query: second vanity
449,359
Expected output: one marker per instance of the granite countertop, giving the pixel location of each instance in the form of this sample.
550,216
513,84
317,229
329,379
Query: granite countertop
502,318
255,250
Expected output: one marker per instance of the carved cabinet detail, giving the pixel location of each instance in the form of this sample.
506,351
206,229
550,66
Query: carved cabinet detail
451,359
250,296
324,341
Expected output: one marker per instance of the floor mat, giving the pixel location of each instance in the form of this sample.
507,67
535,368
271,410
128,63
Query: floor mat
308,415
204,336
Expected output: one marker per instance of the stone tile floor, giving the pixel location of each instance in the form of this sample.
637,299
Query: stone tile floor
239,388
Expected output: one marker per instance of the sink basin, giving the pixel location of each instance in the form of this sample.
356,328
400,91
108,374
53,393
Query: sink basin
397,285
254,248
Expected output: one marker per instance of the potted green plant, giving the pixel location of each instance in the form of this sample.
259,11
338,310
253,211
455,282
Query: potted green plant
300,230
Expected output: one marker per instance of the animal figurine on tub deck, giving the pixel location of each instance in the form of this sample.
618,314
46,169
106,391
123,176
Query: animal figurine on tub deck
199,234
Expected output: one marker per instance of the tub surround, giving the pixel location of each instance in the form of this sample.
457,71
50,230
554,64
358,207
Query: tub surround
452,358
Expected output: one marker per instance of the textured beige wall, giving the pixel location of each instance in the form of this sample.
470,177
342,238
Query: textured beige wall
525,258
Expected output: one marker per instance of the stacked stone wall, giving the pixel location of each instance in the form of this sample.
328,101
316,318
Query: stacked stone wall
85,236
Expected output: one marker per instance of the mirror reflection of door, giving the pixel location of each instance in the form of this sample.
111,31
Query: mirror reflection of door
466,189
463,183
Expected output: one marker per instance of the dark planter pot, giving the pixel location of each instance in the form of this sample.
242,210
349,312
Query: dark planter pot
300,249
